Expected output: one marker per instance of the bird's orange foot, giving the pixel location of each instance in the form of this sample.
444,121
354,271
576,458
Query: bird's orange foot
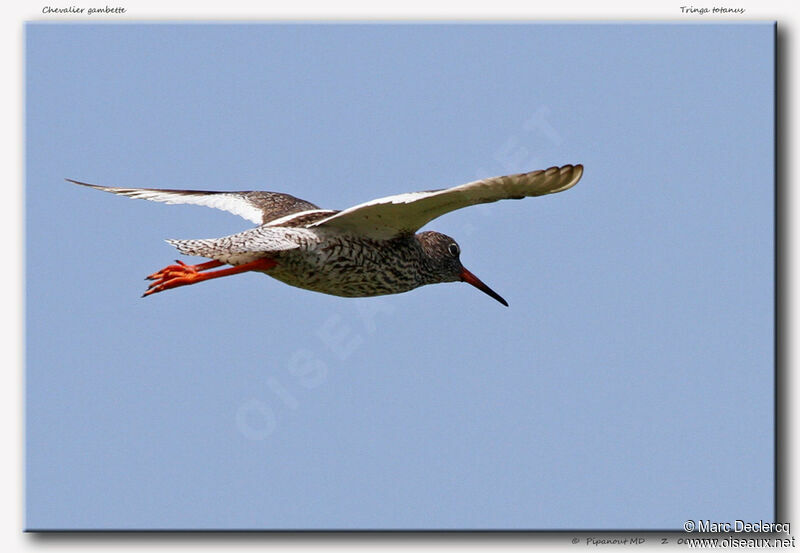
171,277
182,269
172,281
179,269
176,275
182,274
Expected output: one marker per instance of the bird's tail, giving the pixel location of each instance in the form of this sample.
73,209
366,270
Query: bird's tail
245,246
218,249
204,247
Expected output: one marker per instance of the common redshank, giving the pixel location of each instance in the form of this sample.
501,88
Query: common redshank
370,249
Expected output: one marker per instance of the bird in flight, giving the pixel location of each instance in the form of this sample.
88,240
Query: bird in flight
370,249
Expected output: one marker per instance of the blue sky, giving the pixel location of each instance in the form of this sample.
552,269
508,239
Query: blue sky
629,385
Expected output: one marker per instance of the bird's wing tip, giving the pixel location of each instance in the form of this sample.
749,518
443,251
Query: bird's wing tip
73,181
573,174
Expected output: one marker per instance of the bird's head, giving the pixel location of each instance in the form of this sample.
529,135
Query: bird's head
443,257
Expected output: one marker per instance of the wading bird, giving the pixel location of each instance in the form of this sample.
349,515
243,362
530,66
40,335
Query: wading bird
370,249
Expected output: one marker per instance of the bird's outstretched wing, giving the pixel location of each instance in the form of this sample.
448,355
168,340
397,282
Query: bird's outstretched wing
258,207
387,217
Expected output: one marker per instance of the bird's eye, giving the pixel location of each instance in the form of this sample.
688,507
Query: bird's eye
453,249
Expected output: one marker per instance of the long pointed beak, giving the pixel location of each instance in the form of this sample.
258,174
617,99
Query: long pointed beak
466,276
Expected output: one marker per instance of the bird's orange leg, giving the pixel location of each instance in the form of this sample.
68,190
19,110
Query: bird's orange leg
182,274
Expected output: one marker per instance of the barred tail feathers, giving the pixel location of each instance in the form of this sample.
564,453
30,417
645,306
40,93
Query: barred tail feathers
245,246
212,249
